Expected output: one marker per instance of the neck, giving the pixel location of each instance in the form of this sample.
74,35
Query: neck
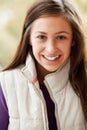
41,73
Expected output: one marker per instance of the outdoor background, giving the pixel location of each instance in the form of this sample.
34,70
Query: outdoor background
12,14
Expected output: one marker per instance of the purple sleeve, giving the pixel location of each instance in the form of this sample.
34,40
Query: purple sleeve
4,117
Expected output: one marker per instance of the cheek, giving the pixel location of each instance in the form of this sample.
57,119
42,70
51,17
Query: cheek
36,49
66,48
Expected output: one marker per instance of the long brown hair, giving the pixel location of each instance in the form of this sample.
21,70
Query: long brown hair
77,75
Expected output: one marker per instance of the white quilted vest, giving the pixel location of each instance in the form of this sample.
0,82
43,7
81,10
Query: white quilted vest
26,105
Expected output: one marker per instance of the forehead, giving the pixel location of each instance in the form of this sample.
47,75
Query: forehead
51,23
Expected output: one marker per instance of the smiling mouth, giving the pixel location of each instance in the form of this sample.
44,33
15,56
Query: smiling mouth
52,58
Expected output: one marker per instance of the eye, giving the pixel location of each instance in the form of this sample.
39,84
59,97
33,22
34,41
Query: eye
61,37
41,37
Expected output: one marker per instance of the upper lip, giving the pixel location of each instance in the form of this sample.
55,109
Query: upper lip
52,55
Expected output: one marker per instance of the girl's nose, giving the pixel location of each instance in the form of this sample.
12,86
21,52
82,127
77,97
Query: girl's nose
51,46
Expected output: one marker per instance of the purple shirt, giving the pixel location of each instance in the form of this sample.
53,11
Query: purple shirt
4,117
50,109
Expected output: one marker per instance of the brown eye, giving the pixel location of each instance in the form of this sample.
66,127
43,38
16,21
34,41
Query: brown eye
61,37
41,37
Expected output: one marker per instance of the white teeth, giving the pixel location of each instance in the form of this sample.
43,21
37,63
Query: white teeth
51,58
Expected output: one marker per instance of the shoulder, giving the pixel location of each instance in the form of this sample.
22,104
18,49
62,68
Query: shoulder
10,73
10,77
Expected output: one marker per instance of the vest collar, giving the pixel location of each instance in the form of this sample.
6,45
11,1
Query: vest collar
29,70
59,79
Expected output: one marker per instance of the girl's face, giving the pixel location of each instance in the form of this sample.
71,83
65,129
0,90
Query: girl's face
51,39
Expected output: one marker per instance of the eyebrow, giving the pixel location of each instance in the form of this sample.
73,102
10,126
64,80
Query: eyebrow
62,32
55,33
